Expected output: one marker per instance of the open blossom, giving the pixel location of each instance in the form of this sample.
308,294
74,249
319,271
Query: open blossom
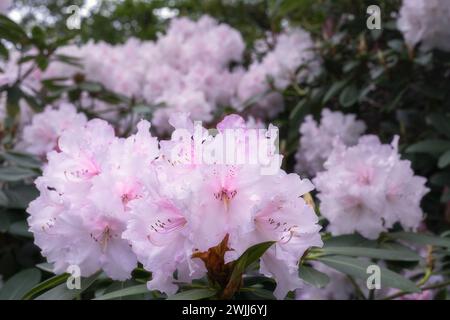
189,206
107,202
367,188
426,22
316,139
42,134
86,188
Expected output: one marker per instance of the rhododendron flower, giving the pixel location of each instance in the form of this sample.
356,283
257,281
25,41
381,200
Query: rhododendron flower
425,22
86,189
293,50
208,202
41,136
107,202
184,70
367,188
316,140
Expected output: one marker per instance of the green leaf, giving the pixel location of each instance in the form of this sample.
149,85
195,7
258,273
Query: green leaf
4,222
45,285
298,113
38,36
47,267
194,294
421,238
250,255
349,240
257,293
385,254
11,31
19,284
143,109
351,65
441,123
334,90
396,45
42,62
33,102
358,269
313,276
3,51
61,292
11,174
131,291
20,228
3,199
444,160
21,159
432,146
12,101
349,96
440,178
19,196
90,86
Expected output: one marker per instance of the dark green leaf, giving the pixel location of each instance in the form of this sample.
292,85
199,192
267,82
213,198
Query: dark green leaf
45,285
250,255
131,291
21,159
19,196
349,240
20,228
47,267
12,102
19,284
90,86
334,90
349,96
441,123
61,292
358,269
313,276
433,147
4,222
444,160
11,174
194,294
376,253
421,238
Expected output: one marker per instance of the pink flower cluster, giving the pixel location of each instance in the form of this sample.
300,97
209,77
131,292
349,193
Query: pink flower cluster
292,60
188,69
108,202
425,22
316,140
42,134
367,188
185,70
